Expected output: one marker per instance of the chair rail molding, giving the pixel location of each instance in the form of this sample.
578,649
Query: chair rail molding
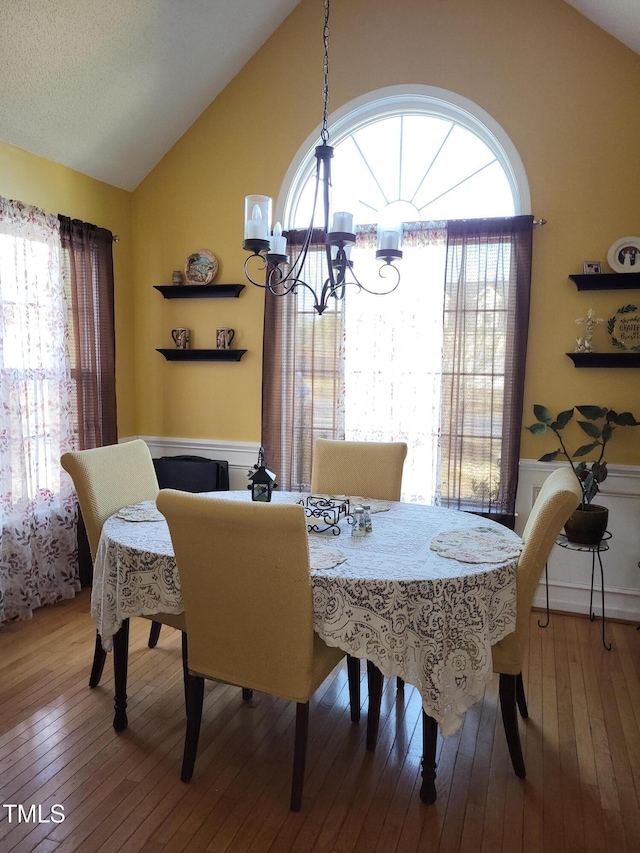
570,571
240,455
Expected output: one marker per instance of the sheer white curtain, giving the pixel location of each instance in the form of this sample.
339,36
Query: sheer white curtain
393,356
438,363
38,558
369,369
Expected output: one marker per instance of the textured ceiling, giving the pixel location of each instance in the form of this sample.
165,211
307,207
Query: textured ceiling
107,88
621,18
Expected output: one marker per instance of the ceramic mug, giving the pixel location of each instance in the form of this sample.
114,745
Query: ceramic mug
224,338
180,338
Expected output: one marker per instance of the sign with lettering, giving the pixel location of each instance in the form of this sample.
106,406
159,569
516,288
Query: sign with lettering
624,328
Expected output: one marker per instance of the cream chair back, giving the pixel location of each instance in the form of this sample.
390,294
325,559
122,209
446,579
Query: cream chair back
108,478
372,469
558,498
244,573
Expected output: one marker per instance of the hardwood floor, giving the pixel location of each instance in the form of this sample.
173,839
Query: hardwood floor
123,791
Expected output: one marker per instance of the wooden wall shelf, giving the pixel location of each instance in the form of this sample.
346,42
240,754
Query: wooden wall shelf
605,359
607,281
199,291
202,354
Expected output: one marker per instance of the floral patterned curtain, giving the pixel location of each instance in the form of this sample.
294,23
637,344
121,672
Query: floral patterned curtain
38,561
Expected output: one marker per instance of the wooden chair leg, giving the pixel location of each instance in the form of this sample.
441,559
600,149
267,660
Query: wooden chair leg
510,720
299,754
154,634
353,673
185,665
521,699
99,657
120,665
429,742
375,682
194,692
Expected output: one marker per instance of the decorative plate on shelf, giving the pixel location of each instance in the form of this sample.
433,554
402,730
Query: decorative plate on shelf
201,267
624,255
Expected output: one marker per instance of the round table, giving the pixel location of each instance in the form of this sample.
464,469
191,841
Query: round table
387,597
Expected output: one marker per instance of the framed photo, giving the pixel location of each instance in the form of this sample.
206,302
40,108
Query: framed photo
624,255
591,267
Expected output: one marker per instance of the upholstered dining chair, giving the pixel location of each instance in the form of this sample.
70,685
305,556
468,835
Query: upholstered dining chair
106,479
244,573
557,499
559,496
371,469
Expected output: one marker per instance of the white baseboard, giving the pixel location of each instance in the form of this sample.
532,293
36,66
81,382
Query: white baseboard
570,571
240,455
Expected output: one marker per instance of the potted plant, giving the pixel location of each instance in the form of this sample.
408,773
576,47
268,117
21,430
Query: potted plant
588,523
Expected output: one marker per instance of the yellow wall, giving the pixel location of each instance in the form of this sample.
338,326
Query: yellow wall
564,91
56,189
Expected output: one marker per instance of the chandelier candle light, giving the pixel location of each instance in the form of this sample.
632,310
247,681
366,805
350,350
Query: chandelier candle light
271,247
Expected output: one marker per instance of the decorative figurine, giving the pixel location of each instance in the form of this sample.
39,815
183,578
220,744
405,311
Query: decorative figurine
584,344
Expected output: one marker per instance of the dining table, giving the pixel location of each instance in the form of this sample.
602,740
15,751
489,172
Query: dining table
422,596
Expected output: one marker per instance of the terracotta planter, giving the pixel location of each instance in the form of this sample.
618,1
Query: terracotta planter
588,525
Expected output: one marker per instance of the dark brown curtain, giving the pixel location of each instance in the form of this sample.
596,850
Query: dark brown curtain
486,316
87,259
87,253
303,370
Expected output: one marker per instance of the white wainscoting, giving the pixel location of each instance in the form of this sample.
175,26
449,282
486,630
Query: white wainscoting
570,571
240,455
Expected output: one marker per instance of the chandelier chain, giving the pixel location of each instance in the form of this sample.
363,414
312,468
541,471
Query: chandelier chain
324,133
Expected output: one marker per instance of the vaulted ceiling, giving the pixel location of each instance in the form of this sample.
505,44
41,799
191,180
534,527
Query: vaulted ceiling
108,88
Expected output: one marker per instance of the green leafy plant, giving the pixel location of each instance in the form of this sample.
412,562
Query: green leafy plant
599,426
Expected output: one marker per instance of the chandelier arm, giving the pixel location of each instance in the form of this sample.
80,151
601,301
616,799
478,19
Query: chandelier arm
292,286
298,264
357,283
246,269
382,274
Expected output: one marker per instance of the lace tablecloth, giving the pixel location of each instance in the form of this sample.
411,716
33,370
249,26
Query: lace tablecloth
388,597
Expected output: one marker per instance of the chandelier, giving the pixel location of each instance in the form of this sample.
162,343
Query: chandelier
271,246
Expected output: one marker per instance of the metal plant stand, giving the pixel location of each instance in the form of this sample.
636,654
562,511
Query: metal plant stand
595,551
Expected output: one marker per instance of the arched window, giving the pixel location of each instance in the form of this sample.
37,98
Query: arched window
372,367
413,154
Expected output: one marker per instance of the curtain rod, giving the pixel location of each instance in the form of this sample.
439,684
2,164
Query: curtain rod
116,239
